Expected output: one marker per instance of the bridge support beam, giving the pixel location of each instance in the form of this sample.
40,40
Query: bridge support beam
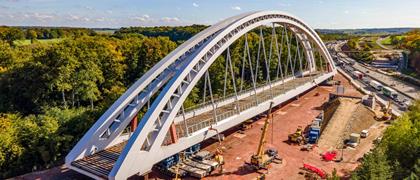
133,123
174,136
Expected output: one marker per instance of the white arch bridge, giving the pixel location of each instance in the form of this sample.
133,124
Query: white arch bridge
267,56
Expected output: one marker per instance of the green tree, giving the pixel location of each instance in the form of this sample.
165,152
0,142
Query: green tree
374,166
31,34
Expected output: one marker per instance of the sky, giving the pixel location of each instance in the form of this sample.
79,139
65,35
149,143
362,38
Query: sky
327,14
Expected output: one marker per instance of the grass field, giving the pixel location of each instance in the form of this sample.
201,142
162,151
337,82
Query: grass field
28,41
387,40
370,42
106,32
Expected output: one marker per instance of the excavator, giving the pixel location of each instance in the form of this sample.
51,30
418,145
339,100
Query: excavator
387,114
297,136
263,158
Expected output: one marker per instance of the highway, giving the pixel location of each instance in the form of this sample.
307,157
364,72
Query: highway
397,104
407,89
394,105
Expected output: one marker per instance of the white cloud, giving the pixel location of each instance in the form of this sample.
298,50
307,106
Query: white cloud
73,17
143,18
78,18
38,16
170,19
109,11
236,8
195,4
346,12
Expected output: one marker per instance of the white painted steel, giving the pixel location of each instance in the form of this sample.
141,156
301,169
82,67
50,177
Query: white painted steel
208,44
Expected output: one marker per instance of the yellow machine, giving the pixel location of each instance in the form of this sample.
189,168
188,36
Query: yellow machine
297,136
262,158
387,114
218,155
177,173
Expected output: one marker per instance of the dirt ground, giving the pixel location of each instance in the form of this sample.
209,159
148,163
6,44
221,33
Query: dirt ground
350,116
238,148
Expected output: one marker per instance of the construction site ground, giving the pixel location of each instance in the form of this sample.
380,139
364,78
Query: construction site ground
238,147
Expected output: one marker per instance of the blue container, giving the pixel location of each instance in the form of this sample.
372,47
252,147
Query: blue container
170,161
313,136
193,149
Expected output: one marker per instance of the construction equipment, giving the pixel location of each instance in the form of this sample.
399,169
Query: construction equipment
297,136
218,155
247,124
307,147
314,132
219,159
262,158
387,114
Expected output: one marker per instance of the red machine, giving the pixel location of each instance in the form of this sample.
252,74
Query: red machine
329,156
321,173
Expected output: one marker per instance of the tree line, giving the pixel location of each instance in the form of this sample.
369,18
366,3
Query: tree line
11,34
178,34
361,50
411,42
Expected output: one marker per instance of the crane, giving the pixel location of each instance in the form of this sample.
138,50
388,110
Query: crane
262,158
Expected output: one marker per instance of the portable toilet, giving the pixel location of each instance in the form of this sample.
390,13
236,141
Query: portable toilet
354,137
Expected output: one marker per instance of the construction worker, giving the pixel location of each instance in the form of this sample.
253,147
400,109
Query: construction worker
219,159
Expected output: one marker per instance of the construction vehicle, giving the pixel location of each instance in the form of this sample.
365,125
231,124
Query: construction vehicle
297,136
387,114
219,153
247,124
314,132
262,158
219,159
307,147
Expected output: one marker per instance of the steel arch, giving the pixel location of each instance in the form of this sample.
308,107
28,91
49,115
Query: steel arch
178,72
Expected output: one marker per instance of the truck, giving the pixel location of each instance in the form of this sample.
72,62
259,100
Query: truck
375,84
313,134
358,74
387,91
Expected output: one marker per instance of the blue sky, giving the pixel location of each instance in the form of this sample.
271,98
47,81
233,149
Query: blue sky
120,13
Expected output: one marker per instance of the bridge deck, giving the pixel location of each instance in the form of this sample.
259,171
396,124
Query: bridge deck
102,162
203,120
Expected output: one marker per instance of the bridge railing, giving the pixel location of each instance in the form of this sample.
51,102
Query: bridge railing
237,108
218,100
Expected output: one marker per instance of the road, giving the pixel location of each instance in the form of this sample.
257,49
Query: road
408,89
366,86
378,41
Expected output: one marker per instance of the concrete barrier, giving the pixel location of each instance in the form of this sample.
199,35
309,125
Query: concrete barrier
364,91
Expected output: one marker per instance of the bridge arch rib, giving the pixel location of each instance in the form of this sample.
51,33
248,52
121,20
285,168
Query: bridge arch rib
179,72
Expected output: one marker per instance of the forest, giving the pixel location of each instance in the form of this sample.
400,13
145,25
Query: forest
411,42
